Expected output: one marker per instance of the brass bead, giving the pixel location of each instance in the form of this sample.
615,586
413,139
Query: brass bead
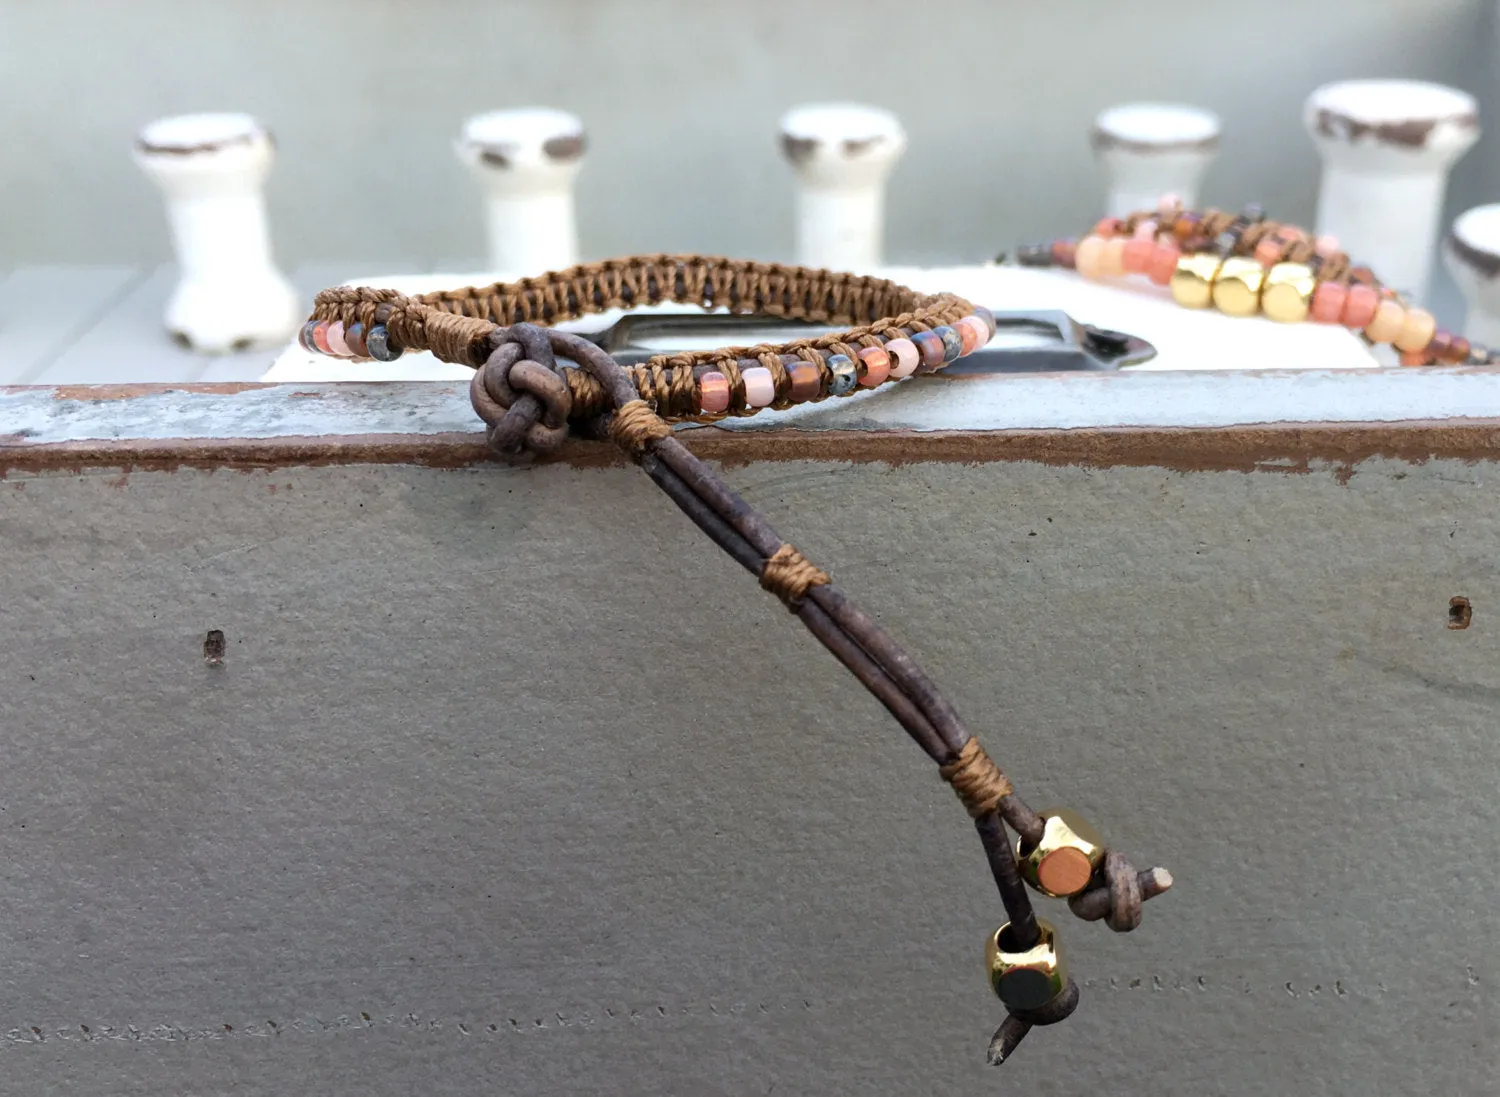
1237,286
1066,858
1288,292
1193,281
1030,978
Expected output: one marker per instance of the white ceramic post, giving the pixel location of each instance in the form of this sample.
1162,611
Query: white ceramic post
1388,147
211,169
1472,255
527,161
842,154
1149,150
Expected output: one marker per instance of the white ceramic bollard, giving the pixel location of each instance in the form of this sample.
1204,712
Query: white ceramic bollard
211,169
527,162
842,153
1388,147
1149,150
1472,255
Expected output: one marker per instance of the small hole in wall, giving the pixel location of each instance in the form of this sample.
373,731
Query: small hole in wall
213,648
1460,613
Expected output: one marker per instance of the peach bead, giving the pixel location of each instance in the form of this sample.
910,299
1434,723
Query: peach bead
1112,258
1088,254
981,333
1136,256
1389,319
1417,330
1360,306
320,338
336,342
1268,252
1107,226
760,388
713,393
874,366
1326,245
1146,230
1328,302
967,340
1163,263
904,357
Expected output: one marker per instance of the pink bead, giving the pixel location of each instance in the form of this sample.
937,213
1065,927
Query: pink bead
904,357
760,389
1268,252
1146,230
713,393
1137,255
1326,245
1163,263
1328,302
320,338
1360,306
336,340
981,333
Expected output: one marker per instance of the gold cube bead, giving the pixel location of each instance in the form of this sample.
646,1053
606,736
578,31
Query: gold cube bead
1193,282
1288,293
1237,286
1026,978
1065,859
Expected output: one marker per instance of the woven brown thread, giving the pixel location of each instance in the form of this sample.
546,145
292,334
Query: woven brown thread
789,575
1336,268
635,426
976,780
1257,232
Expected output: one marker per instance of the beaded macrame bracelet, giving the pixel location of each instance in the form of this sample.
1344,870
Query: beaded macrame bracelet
530,399
1244,265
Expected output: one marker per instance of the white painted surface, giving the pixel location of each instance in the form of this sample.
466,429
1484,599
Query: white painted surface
528,194
211,170
1384,200
1154,161
1479,228
1186,339
846,152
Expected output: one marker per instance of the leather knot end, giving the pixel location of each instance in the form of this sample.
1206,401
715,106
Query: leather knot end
635,428
976,780
789,575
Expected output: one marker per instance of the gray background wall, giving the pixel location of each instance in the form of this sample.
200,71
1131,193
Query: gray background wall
681,100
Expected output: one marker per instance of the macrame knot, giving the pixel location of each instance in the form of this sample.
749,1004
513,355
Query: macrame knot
789,575
635,426
521,394
1118,898
976,780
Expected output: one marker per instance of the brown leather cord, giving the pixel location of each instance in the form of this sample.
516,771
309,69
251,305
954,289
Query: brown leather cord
788,575
529,399
977,781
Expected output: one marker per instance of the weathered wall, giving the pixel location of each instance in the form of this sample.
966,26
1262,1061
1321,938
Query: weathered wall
512,783
682,101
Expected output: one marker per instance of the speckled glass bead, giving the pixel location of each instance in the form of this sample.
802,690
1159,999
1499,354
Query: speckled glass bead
760,388
805,380
1063,252
904,357
305,337
843,376
1389,319
378,342
1458,351
874,366
354,339
930,347
713,393
1137,255
1163,263
953,343
320,338
1360,306
335,336
1328,302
